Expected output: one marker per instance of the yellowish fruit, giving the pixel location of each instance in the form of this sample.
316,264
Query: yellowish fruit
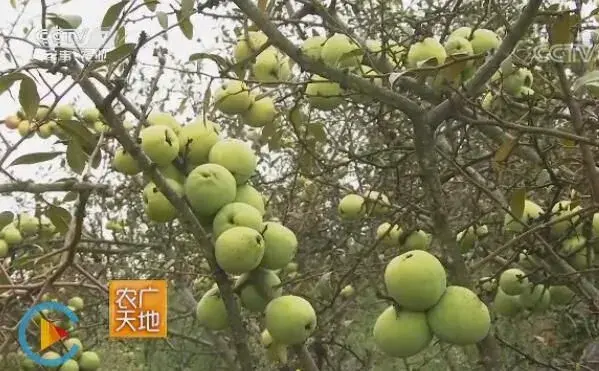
11,234
531,212
76,302
3,249
513,281
209,187
12,121
513,82
348,291
401,333
45,131
417,240
70,343
484,40
290,319
560,210
312,47
426,51
64,112
416,280
24,128
164,119
352,207
90,115
69,365
89,361
271,66
377,202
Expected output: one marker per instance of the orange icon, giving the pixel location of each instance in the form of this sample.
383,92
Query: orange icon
51,334
137,309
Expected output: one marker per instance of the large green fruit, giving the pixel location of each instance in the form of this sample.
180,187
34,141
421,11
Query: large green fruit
249,195
211,311
515,81
352,207
536,298
164,119
312,47
280,245
72,342
89,361
464,32
560,210
579,255
197,139
247,46
208,188
262,286
64,112
271,66
513,281
239,250
377,202
236,156
236,214
27,224
290,319
90,115
484,40
428,50
124,163
341,51
401,333
389,234
260,113
170,171
233,97
3,249
76,302
323,94
69,365
561,295
160,144
157,206
416,280
460,317
531,212
417,240
11,235
49,355
506,305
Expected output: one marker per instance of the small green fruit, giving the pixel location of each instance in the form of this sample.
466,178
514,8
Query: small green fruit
260,113
340,51
239,250
211,311
89,361
157,206
280,245
401,333
513,281
124,163
561,295
323,94
90,115
388,234
64,112
76,302
536,298
426,51
506,305
262,286
164,119
352,207
290,319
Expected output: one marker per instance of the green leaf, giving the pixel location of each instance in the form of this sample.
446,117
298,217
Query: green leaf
353,54
506,148
517,202
76,130
268,131
296,116
113,13
222,62
162,19
35,158
70,196
206,101
187,6
29,97
60,217
185,24
275,141
6,217
563,29
6,81
119,52
119,38
65,20
76,157
13,4
151,4
317,131
588,79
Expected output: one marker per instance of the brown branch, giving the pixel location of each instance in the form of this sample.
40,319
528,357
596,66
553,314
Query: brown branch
66,186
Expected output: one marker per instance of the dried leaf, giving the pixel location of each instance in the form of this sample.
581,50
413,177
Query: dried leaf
517,202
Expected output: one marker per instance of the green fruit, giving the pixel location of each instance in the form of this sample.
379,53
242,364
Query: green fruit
416,280
27,224
271,66
3,249
101,127
89,361
352,207
578,254
484,40
26,364
43,114
460,317
164,119
377,202
466,239
280,245
211,311
160,144
488,284
262,286
290,319
464,32
157,206
417,240
560,210
561,295
340,51
69,365
389,235
124,163
531,212
64,112
291,267
536,298
513,83
90,115
76,302
11,235
249,195
209,187
170,171
45,131
236,214
323,94
401,333
236,156
50,355
260,113
506,305
24,128
348,291
233,97
312,47
246,47
513,281
426,51
71,342
197,139
596,225
457,45
239,250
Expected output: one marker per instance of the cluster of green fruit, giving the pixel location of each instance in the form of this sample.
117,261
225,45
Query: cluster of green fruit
424,306
24,226
574,246
44,124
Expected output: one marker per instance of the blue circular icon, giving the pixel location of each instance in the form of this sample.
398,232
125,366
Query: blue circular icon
28,317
